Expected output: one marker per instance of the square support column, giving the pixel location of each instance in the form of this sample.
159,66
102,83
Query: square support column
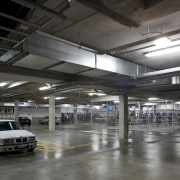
123,117
51,112
16,110
75,119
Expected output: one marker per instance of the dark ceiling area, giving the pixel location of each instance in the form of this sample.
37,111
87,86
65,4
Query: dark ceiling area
13,9
77,47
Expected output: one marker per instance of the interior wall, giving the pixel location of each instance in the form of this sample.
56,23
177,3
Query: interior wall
169,107
44,111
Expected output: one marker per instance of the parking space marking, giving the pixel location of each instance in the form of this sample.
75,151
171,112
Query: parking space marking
51,143
47,146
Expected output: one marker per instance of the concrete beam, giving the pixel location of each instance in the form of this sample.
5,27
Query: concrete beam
105,98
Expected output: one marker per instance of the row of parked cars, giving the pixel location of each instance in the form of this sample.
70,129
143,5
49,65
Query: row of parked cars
25,121
45,120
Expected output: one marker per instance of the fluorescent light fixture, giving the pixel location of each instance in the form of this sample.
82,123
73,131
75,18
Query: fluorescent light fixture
116,101
100,94
165,42
91,94
178,102
149,104
17,84
153,99
163,51
66,105
59,98
3,84
43,88
8,104
45,97
162,42
30,101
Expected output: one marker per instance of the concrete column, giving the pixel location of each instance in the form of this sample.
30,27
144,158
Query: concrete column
51,112
16,110
123,117
60,115
75,119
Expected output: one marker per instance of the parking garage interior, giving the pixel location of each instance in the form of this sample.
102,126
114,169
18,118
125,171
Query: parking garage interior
97,82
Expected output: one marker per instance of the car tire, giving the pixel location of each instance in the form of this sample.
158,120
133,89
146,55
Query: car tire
31,149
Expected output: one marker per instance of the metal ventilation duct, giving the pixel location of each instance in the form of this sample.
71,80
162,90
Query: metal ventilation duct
52,48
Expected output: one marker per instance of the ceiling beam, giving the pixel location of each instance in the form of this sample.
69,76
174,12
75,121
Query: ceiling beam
151,3
13,31
43,9
100,7
7,39
140,42
19,20
27,73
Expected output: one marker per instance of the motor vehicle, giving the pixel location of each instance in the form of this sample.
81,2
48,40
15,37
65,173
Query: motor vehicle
99,119
45,120
24,121
14,138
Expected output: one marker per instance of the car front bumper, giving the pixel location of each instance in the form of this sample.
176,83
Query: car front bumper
18,147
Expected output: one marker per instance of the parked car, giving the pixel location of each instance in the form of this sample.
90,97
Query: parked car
99,119
14,138
24,121
45,120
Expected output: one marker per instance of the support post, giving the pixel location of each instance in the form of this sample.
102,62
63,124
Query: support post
51,112
123,117
16,110
75,119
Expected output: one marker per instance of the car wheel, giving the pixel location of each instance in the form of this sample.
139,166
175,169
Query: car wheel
30,150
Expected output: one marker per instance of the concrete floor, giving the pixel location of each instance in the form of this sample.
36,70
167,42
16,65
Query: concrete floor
95,154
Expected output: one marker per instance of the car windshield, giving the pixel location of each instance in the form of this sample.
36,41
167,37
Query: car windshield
10,125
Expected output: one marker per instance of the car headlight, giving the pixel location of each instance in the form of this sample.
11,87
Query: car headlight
32,138
7,141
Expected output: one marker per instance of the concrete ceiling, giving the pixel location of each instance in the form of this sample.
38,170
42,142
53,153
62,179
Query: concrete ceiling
69,45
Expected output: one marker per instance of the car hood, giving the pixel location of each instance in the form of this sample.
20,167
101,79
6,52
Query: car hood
15,134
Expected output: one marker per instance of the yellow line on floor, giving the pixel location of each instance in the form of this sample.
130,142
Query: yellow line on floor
47,142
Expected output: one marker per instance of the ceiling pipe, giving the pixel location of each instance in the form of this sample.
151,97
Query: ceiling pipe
13,31
19,20
43,9
7,39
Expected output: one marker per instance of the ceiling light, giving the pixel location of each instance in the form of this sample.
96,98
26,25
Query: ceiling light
30,101
43,88
153,99
58,98
100,94
3,84
162,42
45,98
91,94
163,51
116,101
149,104
17,84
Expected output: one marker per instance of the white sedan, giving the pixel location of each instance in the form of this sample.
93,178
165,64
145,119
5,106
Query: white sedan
14,138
